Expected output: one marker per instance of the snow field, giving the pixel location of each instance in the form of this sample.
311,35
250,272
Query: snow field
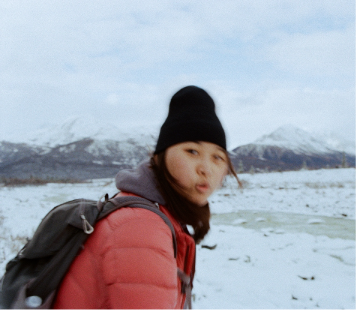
248,269
287,240
328,192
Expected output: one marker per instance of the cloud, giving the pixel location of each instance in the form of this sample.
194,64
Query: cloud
330,53
122,38
125,59
247,115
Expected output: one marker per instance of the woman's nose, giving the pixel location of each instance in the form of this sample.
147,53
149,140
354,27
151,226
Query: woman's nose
204,168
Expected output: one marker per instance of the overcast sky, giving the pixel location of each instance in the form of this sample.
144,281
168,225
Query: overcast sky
266,63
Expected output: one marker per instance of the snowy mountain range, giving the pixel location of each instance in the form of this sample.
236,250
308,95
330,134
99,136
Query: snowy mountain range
78,149
291,148
79,128
85,149
303,142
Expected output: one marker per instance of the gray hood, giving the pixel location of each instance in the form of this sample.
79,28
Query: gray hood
140,181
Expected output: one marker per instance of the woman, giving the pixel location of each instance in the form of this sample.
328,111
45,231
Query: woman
128,261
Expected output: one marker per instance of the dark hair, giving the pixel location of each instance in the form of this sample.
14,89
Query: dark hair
181,208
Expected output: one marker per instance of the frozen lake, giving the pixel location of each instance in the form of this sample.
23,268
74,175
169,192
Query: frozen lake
282,222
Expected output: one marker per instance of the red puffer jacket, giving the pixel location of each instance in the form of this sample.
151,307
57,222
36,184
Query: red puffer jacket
128,262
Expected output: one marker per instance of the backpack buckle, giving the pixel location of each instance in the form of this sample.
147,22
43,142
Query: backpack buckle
88,229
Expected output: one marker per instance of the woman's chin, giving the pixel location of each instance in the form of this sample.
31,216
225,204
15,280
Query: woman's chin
200,202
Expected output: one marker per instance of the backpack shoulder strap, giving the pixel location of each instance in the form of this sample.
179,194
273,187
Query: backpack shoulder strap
136,202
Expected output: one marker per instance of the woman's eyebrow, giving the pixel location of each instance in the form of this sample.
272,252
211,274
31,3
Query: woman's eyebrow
220,149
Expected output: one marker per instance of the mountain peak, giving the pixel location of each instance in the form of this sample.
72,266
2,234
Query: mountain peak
283,133
78,128
297,140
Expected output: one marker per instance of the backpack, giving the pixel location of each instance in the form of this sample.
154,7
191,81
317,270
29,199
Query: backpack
33,276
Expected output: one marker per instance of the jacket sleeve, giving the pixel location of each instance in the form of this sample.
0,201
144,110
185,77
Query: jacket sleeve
139,268
128,262
138,264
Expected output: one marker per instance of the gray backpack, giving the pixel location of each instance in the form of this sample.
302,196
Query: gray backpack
33,276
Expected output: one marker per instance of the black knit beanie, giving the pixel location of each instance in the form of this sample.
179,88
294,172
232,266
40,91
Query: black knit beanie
191,117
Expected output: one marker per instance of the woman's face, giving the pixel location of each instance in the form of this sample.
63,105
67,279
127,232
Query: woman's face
198,167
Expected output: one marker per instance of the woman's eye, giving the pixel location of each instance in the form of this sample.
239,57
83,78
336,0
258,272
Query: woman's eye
191,151
218,157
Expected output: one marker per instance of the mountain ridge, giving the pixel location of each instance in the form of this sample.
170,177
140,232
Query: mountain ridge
291,148
83,149
79,128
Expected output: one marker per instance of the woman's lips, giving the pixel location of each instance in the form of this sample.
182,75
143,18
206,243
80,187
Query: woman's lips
203,187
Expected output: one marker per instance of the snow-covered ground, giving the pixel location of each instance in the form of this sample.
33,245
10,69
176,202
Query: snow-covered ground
287,240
